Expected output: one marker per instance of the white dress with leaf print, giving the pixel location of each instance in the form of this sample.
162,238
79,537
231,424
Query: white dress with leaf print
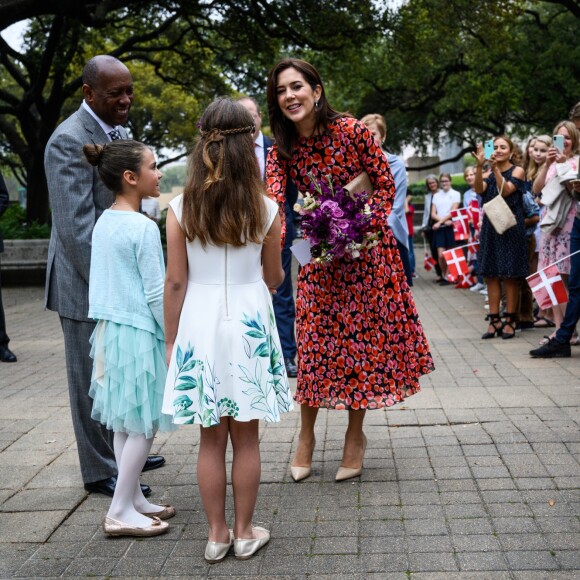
227,359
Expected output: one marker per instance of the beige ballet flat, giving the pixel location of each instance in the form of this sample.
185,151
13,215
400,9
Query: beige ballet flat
113,527
166,513
344,473
217,551
245,549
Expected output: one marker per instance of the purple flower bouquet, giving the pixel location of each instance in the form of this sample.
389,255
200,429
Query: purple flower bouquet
337,223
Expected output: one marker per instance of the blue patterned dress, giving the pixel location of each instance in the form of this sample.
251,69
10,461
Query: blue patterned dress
504,255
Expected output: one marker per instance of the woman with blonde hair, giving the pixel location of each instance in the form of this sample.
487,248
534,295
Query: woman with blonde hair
538,155
555,246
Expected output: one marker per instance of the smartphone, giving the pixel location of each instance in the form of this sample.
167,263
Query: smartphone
558,141
488,149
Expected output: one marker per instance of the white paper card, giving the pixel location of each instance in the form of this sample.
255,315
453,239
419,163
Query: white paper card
301,250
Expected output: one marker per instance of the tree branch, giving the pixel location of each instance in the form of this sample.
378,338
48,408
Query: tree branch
437,164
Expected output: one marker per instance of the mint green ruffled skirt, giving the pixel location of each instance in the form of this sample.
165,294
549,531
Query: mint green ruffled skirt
128,379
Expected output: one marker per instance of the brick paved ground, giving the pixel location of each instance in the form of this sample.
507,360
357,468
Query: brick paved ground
477,477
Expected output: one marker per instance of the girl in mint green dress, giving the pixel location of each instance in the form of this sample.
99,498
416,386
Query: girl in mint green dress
127,346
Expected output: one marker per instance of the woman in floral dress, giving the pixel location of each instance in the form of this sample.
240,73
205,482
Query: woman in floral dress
555,246
360,343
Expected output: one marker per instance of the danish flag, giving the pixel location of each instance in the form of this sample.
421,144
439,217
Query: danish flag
466,281
472,250
475,213
548,287
460,219
429,263
456,262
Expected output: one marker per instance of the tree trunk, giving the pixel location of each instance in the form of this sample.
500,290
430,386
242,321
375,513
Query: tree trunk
37,207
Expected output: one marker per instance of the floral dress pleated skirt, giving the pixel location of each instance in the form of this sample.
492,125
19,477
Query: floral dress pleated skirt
360,342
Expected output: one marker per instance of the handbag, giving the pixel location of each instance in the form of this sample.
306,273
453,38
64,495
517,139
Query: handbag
362,182
498,212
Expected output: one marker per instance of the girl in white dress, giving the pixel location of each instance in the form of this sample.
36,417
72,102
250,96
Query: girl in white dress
226,368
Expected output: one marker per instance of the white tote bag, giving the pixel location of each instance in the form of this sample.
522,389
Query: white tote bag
498,212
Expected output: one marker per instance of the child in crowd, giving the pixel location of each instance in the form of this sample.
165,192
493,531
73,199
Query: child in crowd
226,369
538,156
128,350
468,197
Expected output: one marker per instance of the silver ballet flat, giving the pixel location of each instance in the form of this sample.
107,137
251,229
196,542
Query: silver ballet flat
167,512
216,551
114,527
245,549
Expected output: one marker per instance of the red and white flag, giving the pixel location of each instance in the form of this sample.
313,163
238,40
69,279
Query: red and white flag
456,262
429,263
475,213
472,250
548,287
466,281
460,218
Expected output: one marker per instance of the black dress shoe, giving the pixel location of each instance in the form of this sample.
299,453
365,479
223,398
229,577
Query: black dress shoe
107,487
154,462
291,368
6,355
104,486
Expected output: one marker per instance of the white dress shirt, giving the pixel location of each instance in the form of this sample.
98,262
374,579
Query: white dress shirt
260,153
104,126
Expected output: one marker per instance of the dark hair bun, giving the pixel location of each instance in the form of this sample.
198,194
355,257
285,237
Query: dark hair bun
94,153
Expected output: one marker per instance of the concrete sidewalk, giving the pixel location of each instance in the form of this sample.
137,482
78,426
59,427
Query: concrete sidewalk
476,477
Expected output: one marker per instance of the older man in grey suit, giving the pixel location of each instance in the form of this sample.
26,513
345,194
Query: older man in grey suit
78,197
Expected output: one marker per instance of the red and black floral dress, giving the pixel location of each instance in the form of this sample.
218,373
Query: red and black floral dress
360,342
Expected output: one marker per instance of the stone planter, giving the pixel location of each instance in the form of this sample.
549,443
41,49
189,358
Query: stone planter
24,261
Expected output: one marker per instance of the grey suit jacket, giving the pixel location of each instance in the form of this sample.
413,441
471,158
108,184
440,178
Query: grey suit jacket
78,197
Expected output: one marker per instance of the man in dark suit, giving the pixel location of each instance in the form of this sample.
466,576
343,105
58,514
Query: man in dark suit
283,300
6,355
78,197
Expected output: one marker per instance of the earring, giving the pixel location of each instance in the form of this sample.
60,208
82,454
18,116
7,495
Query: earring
315,105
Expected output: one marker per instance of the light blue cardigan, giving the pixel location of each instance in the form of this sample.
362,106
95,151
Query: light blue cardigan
127,271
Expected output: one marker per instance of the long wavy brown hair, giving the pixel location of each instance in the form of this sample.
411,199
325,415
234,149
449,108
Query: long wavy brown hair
223,196
283,129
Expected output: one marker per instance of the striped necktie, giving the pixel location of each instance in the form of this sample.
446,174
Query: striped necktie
114,134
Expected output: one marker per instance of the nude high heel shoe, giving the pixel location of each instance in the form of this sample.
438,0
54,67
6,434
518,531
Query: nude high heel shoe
299,473
344,473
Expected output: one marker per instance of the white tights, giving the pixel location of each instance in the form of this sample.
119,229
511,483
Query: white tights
129,503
